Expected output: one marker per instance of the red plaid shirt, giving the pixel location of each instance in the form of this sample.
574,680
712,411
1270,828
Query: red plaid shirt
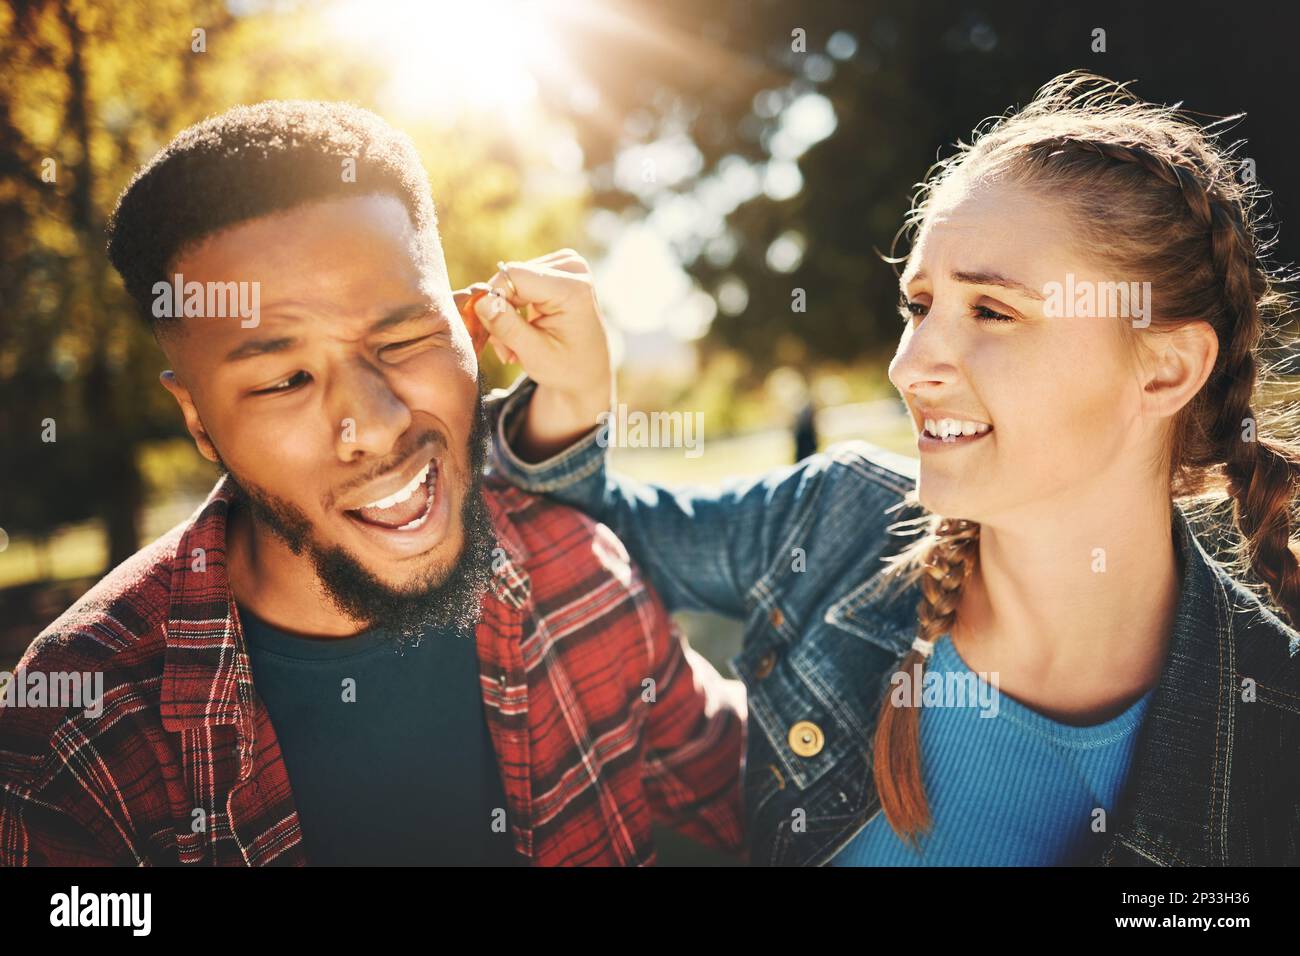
182,764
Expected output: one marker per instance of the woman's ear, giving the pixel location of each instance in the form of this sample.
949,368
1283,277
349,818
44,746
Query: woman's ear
1178,363
192,420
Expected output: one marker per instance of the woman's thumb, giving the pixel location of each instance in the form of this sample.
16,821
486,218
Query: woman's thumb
508,327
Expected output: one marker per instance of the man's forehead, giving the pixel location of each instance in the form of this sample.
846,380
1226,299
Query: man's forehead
225,343
369,233
290,327
342,254
335,267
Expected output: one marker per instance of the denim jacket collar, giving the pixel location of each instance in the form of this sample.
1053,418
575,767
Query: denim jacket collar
1174,754
1185,744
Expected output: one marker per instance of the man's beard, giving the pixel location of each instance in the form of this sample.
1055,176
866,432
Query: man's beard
435,601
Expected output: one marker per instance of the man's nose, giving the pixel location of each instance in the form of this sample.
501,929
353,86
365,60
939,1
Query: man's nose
370,417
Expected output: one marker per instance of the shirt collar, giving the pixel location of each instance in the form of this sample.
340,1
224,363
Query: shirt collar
206,678
201,669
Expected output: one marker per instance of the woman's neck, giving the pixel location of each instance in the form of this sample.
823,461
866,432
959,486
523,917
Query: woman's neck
1074,613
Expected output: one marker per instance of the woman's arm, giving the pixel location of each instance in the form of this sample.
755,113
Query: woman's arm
702,547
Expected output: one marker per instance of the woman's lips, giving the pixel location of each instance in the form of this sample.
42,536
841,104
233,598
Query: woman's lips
927,442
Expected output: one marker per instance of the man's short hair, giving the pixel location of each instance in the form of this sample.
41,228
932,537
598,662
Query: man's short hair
250,162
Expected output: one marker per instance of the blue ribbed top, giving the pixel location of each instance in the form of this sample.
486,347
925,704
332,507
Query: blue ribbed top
1013,789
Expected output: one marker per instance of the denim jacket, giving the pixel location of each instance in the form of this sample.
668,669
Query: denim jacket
796,554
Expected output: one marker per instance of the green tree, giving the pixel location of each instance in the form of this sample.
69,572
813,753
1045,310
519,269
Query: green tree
87,95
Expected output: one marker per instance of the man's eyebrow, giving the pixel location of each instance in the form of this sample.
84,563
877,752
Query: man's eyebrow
406,313
986,278
258,347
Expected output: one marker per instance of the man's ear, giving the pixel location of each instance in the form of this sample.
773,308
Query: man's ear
1179,362
192,420
465,299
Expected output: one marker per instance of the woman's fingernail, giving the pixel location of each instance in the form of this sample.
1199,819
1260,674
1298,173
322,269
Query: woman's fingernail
489,307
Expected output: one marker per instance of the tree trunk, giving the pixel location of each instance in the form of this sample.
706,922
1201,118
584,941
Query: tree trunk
119,485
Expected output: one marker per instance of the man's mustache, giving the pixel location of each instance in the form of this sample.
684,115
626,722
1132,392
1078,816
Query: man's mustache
390,465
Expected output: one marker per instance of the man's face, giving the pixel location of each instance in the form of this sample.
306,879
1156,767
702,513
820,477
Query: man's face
346,413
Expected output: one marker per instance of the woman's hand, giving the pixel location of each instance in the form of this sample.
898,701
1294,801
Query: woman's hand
546,317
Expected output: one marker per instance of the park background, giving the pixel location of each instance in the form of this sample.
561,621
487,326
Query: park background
709,157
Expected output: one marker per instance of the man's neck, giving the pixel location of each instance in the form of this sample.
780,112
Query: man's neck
278,586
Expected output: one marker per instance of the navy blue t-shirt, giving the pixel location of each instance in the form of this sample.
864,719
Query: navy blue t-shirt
388,753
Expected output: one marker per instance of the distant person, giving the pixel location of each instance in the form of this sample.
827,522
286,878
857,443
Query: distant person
805,432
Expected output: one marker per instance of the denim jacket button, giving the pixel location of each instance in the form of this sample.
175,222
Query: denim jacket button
806,739
765,665
777,618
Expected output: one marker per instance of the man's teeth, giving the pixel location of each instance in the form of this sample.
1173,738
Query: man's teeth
952,427
397,497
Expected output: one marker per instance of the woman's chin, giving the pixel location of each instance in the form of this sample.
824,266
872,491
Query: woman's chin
946,498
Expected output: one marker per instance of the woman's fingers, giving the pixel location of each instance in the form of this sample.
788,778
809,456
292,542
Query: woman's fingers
565,260
572,266
526,283
543,315
504,355
510,330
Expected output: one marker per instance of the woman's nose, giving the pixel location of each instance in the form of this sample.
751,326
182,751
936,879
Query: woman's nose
925,356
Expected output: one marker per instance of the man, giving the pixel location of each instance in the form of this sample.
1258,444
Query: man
357,650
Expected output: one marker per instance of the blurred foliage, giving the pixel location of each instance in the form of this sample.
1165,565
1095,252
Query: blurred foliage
97,89
905,80
90,93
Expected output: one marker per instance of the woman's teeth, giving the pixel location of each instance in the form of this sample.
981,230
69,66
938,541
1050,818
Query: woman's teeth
403,494
953,427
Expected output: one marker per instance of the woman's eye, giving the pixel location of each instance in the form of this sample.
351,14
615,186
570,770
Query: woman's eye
910,310
294,381
984,314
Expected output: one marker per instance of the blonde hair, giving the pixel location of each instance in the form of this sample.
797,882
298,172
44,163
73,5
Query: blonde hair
1175,210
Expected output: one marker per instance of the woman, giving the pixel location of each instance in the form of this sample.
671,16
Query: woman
1083,307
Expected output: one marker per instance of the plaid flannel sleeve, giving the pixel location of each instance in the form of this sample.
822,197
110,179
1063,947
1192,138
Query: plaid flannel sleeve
695,739
34,834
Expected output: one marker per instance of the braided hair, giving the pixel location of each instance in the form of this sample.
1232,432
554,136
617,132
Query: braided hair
1177,210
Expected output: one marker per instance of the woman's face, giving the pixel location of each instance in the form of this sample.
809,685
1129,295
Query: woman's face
1059,394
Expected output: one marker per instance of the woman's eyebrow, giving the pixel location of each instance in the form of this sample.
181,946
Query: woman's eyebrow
985,278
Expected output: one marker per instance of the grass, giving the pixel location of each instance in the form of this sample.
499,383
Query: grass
81,550
753,454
